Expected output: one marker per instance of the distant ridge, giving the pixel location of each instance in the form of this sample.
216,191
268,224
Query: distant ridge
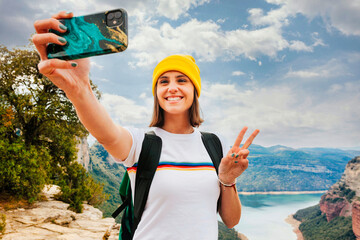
282,168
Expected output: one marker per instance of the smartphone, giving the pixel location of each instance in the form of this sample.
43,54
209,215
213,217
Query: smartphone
92,35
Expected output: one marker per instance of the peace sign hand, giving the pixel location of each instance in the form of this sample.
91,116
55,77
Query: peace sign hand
236,162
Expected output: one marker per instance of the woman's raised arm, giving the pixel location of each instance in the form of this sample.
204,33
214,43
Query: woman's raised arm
73,78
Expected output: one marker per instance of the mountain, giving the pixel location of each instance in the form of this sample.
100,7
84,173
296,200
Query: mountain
105,170
337,216
281,168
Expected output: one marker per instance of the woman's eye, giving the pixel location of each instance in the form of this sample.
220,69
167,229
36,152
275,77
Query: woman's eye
182,80
163,81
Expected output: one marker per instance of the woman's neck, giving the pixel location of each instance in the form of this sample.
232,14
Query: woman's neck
177,124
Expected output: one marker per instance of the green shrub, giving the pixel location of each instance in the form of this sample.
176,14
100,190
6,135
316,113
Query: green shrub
23,169
78,186
2,223
350,195
226,233
334,200
97,195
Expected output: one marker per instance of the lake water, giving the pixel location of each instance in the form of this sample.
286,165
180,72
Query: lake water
263,216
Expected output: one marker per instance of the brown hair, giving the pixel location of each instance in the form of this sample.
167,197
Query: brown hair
158,113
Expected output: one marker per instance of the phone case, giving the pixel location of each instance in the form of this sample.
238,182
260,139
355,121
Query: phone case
91,35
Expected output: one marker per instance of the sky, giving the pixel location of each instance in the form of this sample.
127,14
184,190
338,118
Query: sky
289,68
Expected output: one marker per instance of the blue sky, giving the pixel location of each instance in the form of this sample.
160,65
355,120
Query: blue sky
287,67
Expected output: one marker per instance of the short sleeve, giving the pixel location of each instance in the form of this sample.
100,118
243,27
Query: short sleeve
137,136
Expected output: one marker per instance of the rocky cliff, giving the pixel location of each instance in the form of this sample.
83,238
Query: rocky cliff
356,219
342,199
83,153
51,219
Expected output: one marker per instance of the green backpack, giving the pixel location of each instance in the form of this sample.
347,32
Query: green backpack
146,168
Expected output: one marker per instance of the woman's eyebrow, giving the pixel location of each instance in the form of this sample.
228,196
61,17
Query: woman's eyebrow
182,75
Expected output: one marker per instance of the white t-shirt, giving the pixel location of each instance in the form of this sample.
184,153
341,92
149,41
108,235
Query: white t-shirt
183,196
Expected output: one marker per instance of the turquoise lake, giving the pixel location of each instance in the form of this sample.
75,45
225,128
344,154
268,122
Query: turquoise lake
263,216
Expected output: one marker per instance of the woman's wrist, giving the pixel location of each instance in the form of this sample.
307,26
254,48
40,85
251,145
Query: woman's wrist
80,94
227,183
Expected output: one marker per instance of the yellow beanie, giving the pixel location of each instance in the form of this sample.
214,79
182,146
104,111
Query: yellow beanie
182,63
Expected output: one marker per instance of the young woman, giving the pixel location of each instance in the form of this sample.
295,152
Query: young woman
182,202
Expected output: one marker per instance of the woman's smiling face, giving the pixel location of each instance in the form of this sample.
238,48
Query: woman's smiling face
175,92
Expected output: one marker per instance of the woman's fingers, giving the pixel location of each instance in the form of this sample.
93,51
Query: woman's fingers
240,137
41,41
241,154
63,14
48,66
43,37
43,26
250,139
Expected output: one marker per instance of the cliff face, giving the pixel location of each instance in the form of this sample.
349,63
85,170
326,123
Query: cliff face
356,219
352,175
52,220
334,205
341,198
83,153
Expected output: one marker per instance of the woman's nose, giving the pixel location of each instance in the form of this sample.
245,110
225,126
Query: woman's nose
173,88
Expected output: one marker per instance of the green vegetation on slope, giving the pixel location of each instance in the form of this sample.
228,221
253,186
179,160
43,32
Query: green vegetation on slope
110,174
314,225
225,233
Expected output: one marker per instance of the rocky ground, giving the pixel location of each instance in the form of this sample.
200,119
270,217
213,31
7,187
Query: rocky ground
52,220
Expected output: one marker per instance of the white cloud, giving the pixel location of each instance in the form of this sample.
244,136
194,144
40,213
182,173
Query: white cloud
335,88
102,79
125,111
253,43
237,73
283,114
305,74
317,41
173,9
331,69
277,17
94,64
205,40
342,15
221,20
299,46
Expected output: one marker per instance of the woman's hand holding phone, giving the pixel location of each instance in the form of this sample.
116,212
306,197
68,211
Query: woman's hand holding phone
70,76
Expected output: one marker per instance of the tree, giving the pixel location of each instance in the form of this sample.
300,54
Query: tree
38,129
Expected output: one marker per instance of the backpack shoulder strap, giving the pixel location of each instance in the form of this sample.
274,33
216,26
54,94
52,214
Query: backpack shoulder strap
125,195
213,147
146,168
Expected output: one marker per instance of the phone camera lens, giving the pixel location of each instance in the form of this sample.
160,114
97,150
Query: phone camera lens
110,16
117,14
